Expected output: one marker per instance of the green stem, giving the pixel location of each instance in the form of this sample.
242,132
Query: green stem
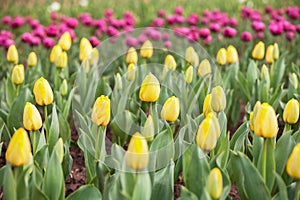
97,143
297,188
33,141
287,128
264,159
17,90
46,122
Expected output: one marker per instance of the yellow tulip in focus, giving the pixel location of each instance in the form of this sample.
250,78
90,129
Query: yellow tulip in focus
189,74
204,68
218,99
291,112
42,92
32,59
170,62
55,52
12,54
101,111
19,148
207,105
293,163
270,54
276,51
221,56
265,121
130,72
148,130
170,110
64,88
62,60
65,41
59,147
137,155
150,89
251,121
147,49
94,57
189,55
32,119
131,56
214,184
17,76
232,55
258,52
85,49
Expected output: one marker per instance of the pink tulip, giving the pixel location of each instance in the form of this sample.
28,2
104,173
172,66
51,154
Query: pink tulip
258,26
94,41
51,30
178,10
290,35
204,32
171,19
214,27
161,13
158,22
17,22
48,42
6,19
108,13
72,23
8,42
229,32
167,44
246,36
54,15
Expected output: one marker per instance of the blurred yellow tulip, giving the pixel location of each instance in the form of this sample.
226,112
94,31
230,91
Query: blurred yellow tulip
59,147
251,121
147,49
42,92
101,111
293,80
32,59
32,119
65,41
62,60
232,55
119,81
204,68
291,112
12,54
258,52
64,88
218,99
171,109
221,56
148,129
130,72
94,57
276,51
131,56
189,74
214,184
55,52
293,163
170,62
85,49
18,76
207,105
150,89
270,54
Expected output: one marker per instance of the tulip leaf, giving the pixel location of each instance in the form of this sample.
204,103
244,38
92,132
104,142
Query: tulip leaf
186,194
238,138
252,74
10,186
64,129
257,148
54,130
87,192
67,104
142,189
282,194
277,71
242,85
127,180
10,92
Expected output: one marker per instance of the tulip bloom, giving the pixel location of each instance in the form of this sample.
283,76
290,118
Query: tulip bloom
32,59
214,184
85,49
276,51
258,52
171,109
270,54
130,72
64,88
137,155
251,121
218,99
119,81
42,92
150,89
221,56
189,54
204,68
55,52
207,105
94,57
148,130
62,60
291,112
170,62
293,163
232,55
59,147
131,56
189,74
32,119
293,80
12,54
147,49
65,41
101,111
19,149
17,75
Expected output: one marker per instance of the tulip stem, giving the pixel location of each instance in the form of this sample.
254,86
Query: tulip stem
17,90
46,122
297,188
264,159
287,128
33,140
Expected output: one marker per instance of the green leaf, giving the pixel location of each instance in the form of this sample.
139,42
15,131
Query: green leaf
54,130
127,180
10,92
67,105
86,192
186,194
142,189
257,148
277,71
9,189
238,138
64,129
282,194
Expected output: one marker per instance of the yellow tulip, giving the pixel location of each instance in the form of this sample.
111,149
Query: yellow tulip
293,163
42,92
150,89
94,57
59,147
32,59
270,54
171,109
293,80
32,119
148,129
265,121
291,112
221,56
204,68
208,132
137,155
256,108
130,72
62,60
251,121
65,41
19,149
85,49
55,52
101,111
170,62
147,49
86,65
190,55
12,54
258,52
232,55
131,56
119,81
189,74
276,51
214,184
195,61
207,105
218,99
64,88
17,75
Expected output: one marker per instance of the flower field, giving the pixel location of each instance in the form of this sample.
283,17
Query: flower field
149,103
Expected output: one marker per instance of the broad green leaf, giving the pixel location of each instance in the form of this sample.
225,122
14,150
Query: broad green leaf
64,129
142,189
10,186
238,138
86,192
10,92
186,194
53,130
282,194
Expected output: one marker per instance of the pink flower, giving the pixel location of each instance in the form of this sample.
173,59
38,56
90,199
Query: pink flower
166,36
268,9
54,15
39,31
48,42
276,28
214,27
208,39
298,28
161,13
167,44
8,42
179,19
72,22
100,24
246,36
233,22
205,20
94,41
290,35
108,13
258,26
34,23
181,31
260,35
6,19
193,19
35,41
131,42
111,31
5,34
229,32
158,22
178,10
171,19
26,37
51,30
204,32
142,38
17,22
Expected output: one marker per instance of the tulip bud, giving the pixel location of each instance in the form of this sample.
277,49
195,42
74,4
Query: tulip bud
189,54
64,88
256,108
12,54
251,121
195,61
32,119
265,121
94,57
19,148
276,51
214,184
148,130
291,112
147,49
208,132
62,60
55,52
207,105
171,109
150,89
130,72
119,81
218,99
170,62
137,155
131,56
265,75
17,75
258,52
101,111
270,54
232,55
32,59
86,65
42,92
85,49
204,68
65,41
59,147
293,80
221,56
293,163
189,74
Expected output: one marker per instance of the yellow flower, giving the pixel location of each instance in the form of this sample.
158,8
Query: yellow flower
65,41
32,59
189,74
59,147
17,75
204,68
42,92
218,99
12,54
137,155
208,132
189,54
64,88
221,56
150,89
265,121
148,130
293,163
214,184
101,111
232,55
86,65
130,72
131,56
270,54
291,112
207,105
19,149
147,49
85,49
32,119
55,52
119,81
62,60
171,109
170,62
251,121
276,51
293,80
94,57
258,52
